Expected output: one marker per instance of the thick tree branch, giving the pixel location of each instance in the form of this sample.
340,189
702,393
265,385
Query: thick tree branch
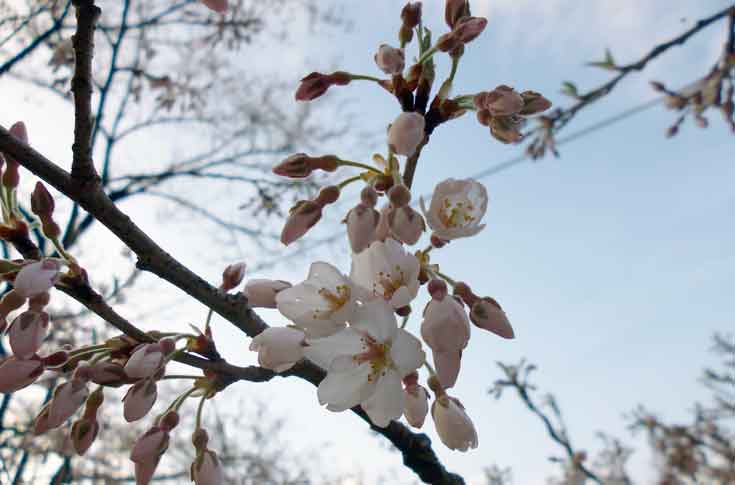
415,448
81,86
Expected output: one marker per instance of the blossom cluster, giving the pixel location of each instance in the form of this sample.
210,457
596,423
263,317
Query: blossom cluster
348,324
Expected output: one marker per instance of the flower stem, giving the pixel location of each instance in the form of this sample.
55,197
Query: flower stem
427,54
199,412
350,163
429,368
446,278
348,181
362,77
179,376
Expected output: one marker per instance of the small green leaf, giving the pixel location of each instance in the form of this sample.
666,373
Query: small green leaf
570,89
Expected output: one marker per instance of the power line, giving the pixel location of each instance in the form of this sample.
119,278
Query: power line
488,172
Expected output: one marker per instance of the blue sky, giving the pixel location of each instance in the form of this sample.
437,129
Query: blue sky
613,262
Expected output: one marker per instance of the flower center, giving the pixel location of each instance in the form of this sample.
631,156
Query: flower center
389,282
377,355
335,300
456,214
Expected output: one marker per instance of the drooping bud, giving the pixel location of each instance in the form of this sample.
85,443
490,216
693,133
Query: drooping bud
437,289
145,361
15,374
417,405
534,103
10,301
328,195
139,400
68,397
406,133
390,60
316,84
453,425
11,176
279,348
301,165
207,469
448,42
506,129
108,374
487,314
147,452
446,330
37,277
261,293
399,195
362,221
27,332
232,276
42,203
302,217
84,430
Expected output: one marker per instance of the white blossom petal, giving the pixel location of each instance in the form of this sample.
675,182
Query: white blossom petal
322,351
388,400
406,353
376,319
347,384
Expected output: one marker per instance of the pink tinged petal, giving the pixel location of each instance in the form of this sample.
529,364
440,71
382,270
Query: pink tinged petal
447,366
27,332
279,348
324,350
406,132
37,278
139,400
453,425
144,362
83,434
261,293
150,444
347,384
417,405
68,397
362,222
390,60
219,6
15,374
445,326
207,470
377,319
387,402
144,470
406,353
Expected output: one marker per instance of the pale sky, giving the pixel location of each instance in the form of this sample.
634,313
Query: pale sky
613,262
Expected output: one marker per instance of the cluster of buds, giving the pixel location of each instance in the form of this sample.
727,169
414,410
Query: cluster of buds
347,324
503,109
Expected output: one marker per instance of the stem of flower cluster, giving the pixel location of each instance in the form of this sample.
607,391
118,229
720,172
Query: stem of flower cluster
348,181
179,376
427,54
445,278
362,77
351,163
429,368
199,412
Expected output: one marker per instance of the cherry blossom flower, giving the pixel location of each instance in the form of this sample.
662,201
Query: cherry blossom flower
320,305
456,209
387,270
279,348
453,425
406,132
367,362
261,293
37,278
27,332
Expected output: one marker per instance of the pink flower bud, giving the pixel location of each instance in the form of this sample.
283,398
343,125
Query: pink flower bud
303,216
139,400
316,84
417,405
446,330
295,166
502,101
232,276
390,60
362,221
406,132
219,6
68,397
411,14
83,433
454,10
406,224
108,374
487,314
27,332
468,28
261,293
506,129
145,361
207,469
10,301
42,203
279,348
11,176
37,277
15,374
453,425
147,452
534,103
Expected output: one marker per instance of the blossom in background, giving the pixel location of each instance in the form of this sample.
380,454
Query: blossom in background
367,362
456,209
387,270
322,303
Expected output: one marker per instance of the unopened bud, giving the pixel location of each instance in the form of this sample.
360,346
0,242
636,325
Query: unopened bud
169,421
200,438
468,28
406,133
437,289
534,103
42,203
399,195
411,14
454,10
232,276
302,217
316,84
390,60
328,195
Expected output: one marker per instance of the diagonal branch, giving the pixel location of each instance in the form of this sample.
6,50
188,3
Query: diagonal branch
414,447
81,86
